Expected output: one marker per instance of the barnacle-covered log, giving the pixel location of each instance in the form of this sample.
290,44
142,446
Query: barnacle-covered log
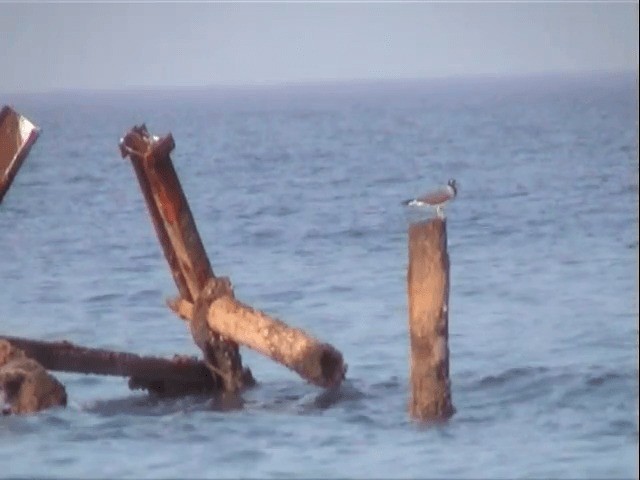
218,310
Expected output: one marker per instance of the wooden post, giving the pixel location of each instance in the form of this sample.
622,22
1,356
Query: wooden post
17,135
180,240
428,292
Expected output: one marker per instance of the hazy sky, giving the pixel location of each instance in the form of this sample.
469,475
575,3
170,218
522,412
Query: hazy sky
47,46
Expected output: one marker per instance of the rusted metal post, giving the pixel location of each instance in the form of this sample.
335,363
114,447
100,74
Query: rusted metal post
136,144
17,136
25,386
169,209
180,240
179,375
428,294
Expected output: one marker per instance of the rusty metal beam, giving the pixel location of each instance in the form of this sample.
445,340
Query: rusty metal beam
17,136
180,240
169,209
135,144
178,375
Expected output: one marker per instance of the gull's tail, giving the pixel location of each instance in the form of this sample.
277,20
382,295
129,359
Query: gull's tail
412,202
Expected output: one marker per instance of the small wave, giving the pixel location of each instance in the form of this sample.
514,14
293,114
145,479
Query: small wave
263,234
314,233
283,296
86,177
513,374
272,210
362,419
565,375
105,297
393,180
292,398
347,392
391,384
628,427
143,295
521,192
555,388
54,419
603,378
357,232
137,257
35,183
518,385
337,289
148,405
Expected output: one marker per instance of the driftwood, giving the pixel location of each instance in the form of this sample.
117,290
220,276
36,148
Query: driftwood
25,386
181,243
17,135
428,292
179,375
217,309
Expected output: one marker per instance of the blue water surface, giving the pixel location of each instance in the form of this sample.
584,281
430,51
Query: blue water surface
296,192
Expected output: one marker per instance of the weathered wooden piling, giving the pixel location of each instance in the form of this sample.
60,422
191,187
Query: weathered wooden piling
17,135
428,295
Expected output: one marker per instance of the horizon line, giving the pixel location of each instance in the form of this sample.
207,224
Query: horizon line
301,83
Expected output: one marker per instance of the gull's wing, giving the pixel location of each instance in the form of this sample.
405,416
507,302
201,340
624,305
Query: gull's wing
436,197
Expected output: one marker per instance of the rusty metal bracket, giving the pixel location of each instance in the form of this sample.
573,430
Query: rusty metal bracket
17,136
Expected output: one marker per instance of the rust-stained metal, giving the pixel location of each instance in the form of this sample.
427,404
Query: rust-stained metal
25,386
136,145
179,237
17,136
169,209
179,375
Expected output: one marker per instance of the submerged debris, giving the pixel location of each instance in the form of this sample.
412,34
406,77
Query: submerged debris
25,386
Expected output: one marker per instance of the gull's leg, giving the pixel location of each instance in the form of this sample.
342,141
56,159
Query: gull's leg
439,211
